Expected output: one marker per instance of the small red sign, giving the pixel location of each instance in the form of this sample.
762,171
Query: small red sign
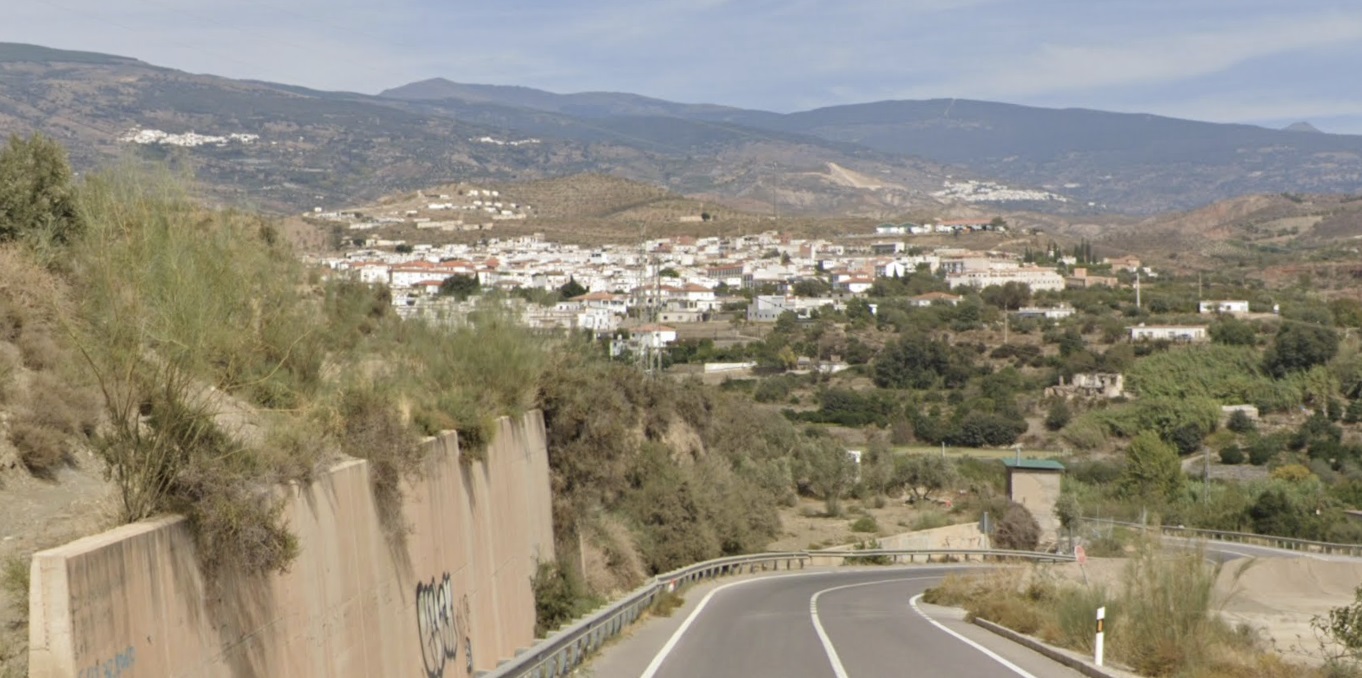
1080,554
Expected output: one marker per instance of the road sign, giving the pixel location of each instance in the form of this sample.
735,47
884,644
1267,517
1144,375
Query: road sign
1080,554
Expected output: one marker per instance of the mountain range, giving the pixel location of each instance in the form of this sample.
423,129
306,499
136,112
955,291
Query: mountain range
302,147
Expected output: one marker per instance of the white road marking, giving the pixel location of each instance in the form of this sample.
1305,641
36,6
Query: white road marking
681,631
828,649
987,652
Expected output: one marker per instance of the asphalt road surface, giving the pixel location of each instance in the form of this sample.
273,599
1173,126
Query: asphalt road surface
859,623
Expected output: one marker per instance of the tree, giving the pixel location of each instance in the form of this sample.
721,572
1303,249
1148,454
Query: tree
1298,347
460,286
830,471
1059,415
1067,510
1187,437
917,362
922,475
810,287
981,429
1009,296
37,196
571,289
1232,331
1152,471
1274,513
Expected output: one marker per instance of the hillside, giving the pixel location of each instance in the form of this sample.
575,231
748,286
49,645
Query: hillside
1131,163
285,148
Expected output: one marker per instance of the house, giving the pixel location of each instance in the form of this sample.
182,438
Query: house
768,308
930,298
1127,263
1226,306
1178,333
856,284
670,314
1081,279
613,303
1038,279
1089,385
1035,484
1046,312
653,336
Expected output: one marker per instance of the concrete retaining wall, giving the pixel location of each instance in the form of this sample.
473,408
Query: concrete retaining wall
961,536
451,597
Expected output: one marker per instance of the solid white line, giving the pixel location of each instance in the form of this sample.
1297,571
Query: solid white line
837,668
987,652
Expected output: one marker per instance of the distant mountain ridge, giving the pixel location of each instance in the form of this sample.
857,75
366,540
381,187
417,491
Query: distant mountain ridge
1134,163
303,148
324,148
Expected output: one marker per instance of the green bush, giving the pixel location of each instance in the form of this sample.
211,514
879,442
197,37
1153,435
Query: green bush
1232,454
1241,422
865,523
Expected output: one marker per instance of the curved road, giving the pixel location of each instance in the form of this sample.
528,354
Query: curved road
827,624
835,623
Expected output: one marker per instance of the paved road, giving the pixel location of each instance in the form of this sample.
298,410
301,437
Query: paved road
856,623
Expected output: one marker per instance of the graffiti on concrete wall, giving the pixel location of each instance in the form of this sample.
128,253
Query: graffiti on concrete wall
442,622
120,665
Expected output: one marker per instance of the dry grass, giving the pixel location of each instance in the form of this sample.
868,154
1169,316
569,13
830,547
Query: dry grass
1161,616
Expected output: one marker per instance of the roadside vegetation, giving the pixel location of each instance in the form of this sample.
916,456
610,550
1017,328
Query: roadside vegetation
1161,616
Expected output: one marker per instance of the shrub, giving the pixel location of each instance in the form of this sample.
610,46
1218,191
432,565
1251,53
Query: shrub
1058,415
865,523
1241,422
930,520
1231,455
1085,433
1265,449
1017,529
559,597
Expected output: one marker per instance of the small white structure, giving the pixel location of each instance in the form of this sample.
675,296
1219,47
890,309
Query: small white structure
653,336
1179,333
930,298
1046,313
1227,306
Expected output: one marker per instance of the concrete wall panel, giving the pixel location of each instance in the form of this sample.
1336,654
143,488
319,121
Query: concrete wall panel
448,596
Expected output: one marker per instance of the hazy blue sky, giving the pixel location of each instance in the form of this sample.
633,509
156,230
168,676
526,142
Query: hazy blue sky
1264,61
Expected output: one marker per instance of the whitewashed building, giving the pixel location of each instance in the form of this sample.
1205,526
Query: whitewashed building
1225,306
1180,333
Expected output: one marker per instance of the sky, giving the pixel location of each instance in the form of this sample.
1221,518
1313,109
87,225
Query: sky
1268,62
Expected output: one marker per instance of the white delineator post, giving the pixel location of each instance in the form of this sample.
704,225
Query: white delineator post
1097,646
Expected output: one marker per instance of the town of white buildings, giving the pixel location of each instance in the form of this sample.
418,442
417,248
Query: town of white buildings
682,279
988,191
188,139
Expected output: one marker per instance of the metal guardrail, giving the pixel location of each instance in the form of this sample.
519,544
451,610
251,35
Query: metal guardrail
1284,543
565,649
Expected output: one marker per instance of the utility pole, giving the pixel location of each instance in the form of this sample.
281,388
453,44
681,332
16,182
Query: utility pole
1205,474
1137,288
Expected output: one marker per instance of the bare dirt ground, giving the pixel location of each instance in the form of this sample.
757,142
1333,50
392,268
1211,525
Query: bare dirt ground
1281,595
807,526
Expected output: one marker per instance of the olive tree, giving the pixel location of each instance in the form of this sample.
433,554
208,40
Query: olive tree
37,196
